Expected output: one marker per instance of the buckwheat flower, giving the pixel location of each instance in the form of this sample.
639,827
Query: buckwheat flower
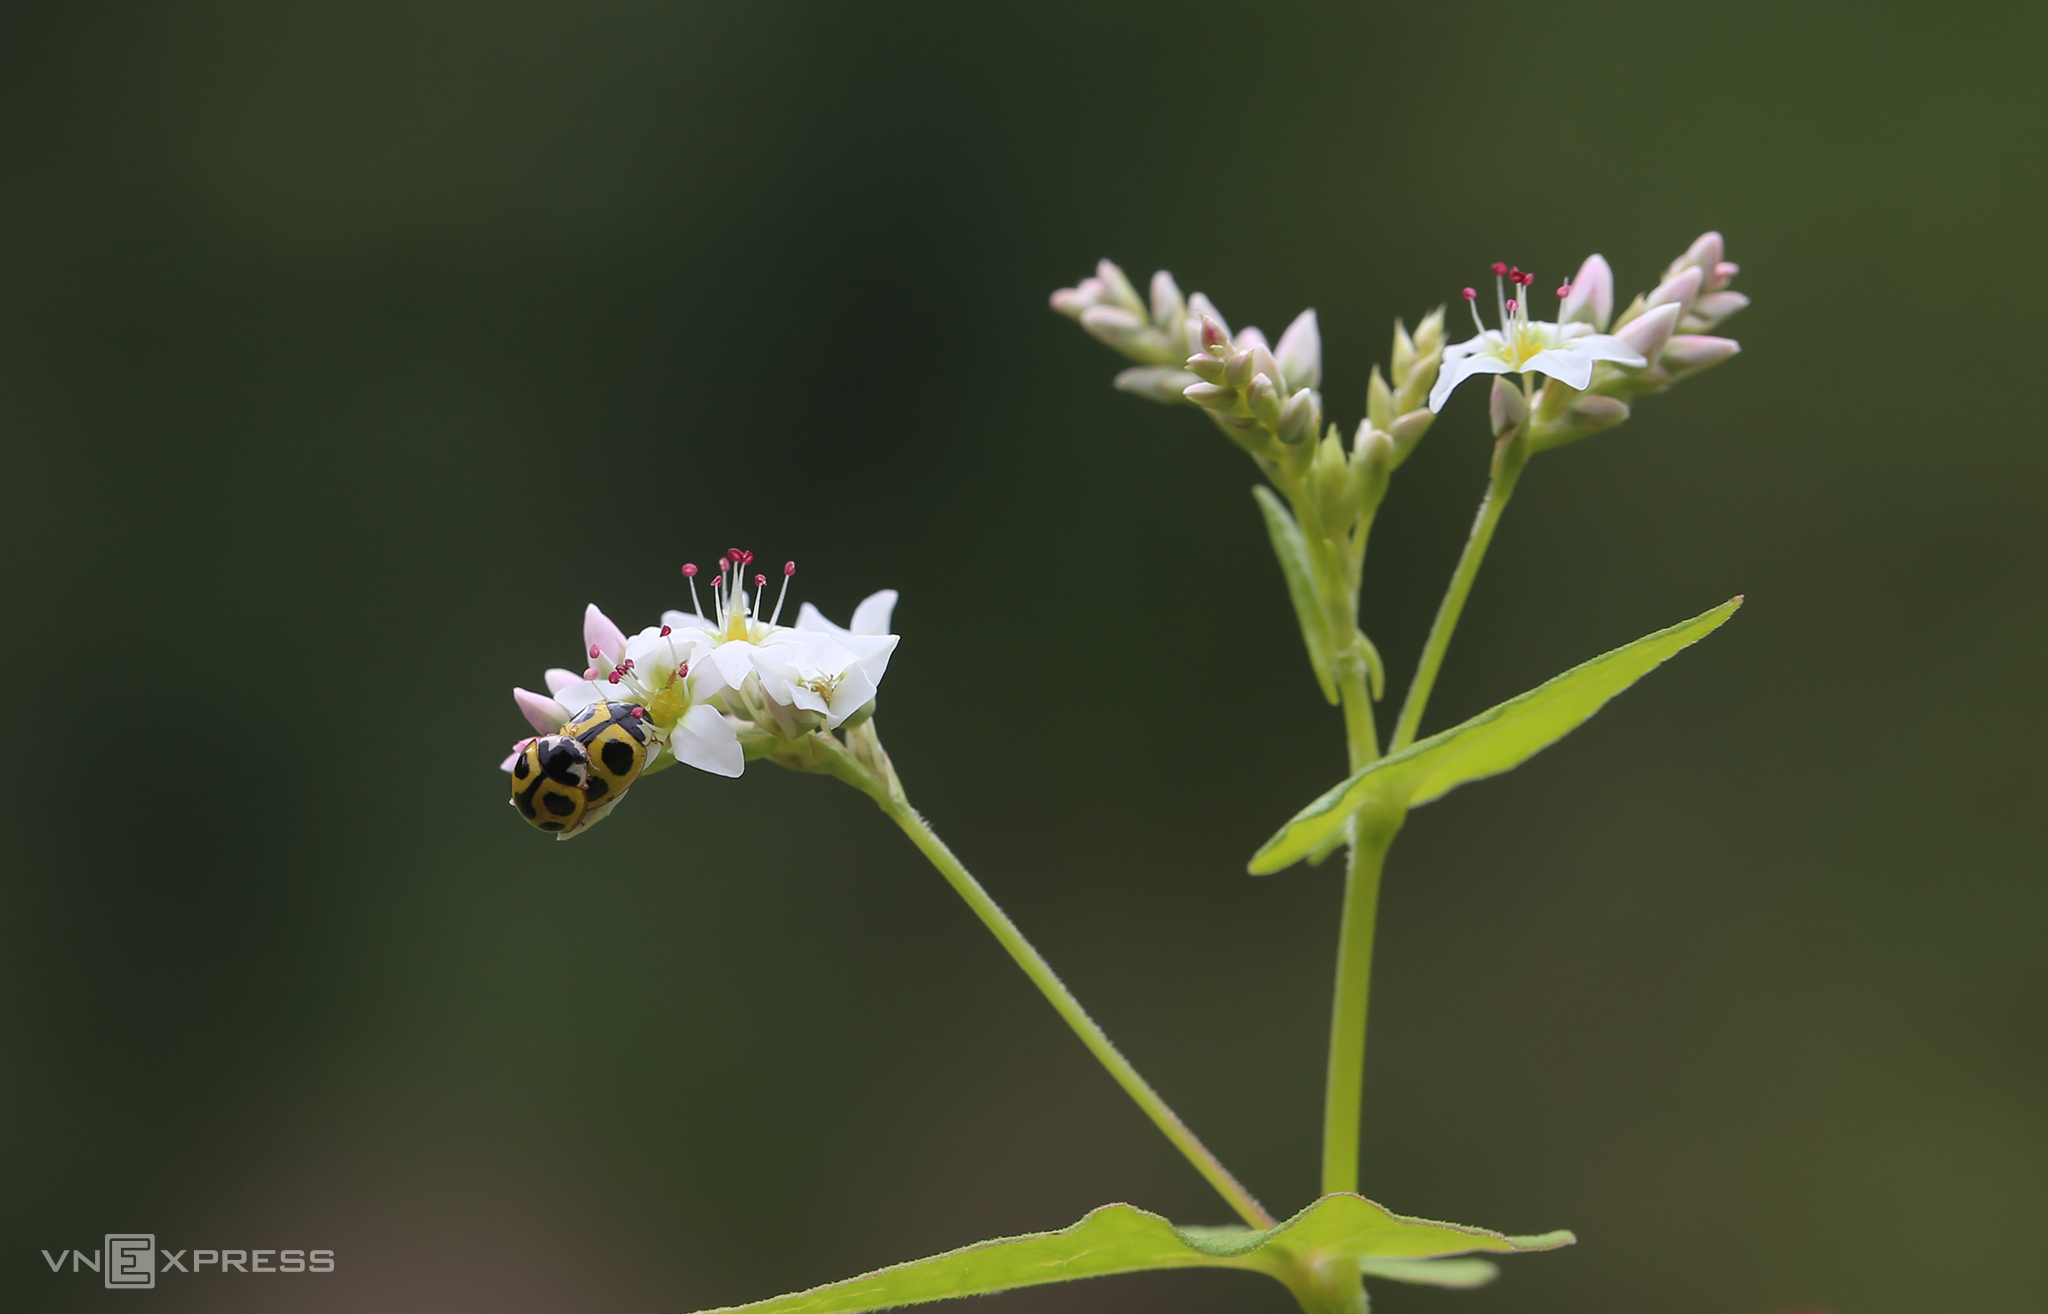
867,637
799,678
652,671
812,681
1566,352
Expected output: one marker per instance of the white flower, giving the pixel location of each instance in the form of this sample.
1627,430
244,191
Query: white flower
1565,352
699,678
812,668
813,672
652,670
868,636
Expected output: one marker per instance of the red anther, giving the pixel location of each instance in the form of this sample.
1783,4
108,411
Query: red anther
1470,294
740,556
689,570
759,580
683,670
724,564
665,631
590,672
638,713
1511,303
789,568
626,665
1499,267
1565,291
1514,273
593,652
613,678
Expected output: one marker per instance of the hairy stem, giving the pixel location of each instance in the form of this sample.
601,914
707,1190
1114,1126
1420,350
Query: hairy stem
891,800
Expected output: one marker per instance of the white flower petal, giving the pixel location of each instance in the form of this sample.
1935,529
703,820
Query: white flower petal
809,619
735,661
1485,342
873,613
707,741
1454,373
688,620
1568,366
854,691
583,695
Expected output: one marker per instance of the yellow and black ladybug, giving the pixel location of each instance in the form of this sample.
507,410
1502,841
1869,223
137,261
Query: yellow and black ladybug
614,738
550,782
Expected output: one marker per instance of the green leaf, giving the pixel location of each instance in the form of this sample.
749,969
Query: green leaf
1119,1238
1459,1274
1499,739
1292,550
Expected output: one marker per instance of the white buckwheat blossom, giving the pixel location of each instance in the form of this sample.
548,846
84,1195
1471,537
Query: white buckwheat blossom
1566,352
702,678
651,670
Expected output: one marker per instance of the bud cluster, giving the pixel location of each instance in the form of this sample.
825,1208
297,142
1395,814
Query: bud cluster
1669,325
1263,394
1400,409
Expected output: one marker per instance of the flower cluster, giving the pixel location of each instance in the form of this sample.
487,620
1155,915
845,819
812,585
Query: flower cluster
705,677
1660,339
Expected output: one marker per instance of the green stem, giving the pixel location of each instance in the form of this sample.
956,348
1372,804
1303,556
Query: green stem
1507,468
992,916
1344,1085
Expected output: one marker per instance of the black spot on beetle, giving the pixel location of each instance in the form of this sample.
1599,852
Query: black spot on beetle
563,760
559,804
519,768
598,788
618,757
551,825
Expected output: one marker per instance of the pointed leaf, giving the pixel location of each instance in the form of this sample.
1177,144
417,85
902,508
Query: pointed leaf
1292,551
1494,741
1119,1238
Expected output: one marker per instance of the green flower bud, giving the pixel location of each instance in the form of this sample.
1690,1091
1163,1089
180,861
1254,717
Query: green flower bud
1403,356
1586,413
1300,417
1212,396
1408,430
1379,401
1264,399
1414,389
1329,480
1429,334
1206,366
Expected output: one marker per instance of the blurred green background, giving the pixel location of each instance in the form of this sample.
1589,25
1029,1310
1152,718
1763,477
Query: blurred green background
347,351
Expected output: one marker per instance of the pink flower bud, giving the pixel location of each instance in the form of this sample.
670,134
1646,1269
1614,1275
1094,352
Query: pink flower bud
1680,289
543,714
603,637
1649,331
1591,299
1688,354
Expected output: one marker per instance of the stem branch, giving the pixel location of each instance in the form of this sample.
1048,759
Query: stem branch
1507,468
1056,993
